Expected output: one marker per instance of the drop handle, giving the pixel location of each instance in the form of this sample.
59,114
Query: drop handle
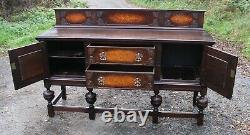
137,82
138,57
102,56
101,81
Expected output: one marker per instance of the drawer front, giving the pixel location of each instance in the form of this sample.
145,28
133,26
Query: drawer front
119,80
121,55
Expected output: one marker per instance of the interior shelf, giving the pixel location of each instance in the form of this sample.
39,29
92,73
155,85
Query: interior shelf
66,59
180,73
67,67
66,54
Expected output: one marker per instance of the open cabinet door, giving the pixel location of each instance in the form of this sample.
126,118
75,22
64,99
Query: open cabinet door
28,64
219,69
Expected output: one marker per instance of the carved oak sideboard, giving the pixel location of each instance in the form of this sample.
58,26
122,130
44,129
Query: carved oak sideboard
128,49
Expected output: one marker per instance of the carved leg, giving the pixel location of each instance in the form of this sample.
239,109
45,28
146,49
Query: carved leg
202,103
63,89
49,96
91,98
156,101
194,98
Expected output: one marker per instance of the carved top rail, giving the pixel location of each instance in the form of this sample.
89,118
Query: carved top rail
130,17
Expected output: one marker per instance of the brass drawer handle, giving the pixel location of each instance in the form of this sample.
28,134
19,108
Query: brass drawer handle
102,56
101,81
138,57
137,82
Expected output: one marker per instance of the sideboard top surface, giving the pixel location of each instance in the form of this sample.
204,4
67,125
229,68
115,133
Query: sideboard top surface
134,35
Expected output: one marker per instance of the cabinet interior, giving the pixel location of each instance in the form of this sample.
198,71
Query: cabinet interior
181,61
66,58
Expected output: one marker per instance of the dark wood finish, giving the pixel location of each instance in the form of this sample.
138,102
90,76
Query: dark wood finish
128,49
129,17
219,68
178,85
64,94
195,98
156,101
199,37
28,64
201,103
91,98
68,80
158,56
105,53
57,99
101,110
49,96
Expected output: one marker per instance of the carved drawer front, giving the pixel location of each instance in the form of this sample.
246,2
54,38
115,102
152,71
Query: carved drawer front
119,77
101,53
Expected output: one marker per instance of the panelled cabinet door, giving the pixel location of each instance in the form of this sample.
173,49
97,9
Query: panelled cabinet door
219,70
28,64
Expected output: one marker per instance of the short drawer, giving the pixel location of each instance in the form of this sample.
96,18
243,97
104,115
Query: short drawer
121,54
119,77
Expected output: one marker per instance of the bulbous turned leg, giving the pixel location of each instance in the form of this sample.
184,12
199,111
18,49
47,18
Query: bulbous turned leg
63,89
156,101
202,103
91,98
49,96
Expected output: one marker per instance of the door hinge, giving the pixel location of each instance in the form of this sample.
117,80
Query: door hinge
232,73
13,66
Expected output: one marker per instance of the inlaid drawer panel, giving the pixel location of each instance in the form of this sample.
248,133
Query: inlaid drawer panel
119,77
136,55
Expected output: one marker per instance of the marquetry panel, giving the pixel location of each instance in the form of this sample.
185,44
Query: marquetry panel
130,17
181,19
75,17
118,81
141,18
119,55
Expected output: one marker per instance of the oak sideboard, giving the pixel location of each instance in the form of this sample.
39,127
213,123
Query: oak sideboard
126,49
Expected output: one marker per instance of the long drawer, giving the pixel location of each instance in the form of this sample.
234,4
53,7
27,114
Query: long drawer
101,53
120,77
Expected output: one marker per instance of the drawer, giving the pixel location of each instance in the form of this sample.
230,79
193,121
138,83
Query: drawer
120,77
121,54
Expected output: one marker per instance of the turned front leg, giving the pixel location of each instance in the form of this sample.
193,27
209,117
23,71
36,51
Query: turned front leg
49,96
91,98
63,89
201,103
156,101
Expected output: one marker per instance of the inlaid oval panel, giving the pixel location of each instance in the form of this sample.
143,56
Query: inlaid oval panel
119,81
142,18
76,17
181,19
120,55
125,80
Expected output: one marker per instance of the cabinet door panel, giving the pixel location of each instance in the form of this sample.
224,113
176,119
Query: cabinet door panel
28,64
219,71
